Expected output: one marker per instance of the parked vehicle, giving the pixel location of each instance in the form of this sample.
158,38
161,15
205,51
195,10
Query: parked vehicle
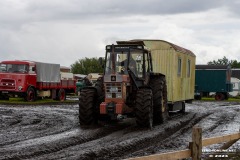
94,76
29,79
236,87
213,78
142,78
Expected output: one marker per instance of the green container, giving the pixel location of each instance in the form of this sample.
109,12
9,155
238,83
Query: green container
213,79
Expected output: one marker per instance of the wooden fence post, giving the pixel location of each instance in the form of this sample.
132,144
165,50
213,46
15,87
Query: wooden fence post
196,146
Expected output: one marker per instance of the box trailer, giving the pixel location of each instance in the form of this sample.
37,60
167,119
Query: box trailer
213,78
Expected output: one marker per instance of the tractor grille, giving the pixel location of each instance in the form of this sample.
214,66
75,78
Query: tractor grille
113,90
7,84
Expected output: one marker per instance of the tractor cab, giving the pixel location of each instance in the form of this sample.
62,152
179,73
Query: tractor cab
122,59
126,69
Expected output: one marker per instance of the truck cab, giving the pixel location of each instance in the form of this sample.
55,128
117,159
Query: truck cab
16,77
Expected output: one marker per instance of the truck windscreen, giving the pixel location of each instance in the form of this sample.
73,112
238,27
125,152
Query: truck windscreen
14,68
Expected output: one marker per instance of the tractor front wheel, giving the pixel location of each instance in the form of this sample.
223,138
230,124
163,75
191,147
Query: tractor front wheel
144,108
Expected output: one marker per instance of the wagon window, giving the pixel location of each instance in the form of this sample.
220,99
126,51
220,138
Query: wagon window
188,68
179,66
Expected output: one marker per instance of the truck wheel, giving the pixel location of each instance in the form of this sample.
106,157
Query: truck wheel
160,107
87,107
61,95
4,97
30,95
144,108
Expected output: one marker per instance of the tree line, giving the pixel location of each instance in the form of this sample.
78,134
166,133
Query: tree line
86,66
225,61
92,65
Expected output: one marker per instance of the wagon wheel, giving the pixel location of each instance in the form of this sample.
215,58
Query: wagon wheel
219,96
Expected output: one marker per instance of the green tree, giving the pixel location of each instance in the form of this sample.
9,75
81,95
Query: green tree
86,66
225,61
235,64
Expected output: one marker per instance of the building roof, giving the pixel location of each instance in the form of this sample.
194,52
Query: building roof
79,75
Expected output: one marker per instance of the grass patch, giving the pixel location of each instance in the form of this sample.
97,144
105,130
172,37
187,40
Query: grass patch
37,102
232,99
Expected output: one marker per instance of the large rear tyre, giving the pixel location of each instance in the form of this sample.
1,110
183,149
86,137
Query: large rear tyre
160,107
30,95
144,108
87,107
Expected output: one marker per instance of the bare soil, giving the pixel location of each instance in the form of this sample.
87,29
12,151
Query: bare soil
53,132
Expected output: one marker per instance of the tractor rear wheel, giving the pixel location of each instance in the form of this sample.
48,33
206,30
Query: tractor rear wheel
87,107
143,109
160,107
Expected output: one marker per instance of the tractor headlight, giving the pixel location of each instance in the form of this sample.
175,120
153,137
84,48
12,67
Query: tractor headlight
108,95
118,95
113,89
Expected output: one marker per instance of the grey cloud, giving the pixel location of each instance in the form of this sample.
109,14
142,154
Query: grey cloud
42,10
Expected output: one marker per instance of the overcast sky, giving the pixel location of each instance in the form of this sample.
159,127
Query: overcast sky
63,31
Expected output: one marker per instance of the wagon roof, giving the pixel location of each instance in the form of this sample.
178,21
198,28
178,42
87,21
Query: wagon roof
212,67
174,46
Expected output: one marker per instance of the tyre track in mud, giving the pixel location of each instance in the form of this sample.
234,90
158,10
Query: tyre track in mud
217,118
19,124
126,148
224,119
35,144
65,139
172,141
70,139
126,141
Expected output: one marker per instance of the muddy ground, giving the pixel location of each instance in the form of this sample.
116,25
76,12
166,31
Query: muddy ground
53,132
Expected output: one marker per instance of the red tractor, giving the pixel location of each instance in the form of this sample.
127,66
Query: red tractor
127,88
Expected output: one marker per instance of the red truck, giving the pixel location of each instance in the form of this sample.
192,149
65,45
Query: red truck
29,79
